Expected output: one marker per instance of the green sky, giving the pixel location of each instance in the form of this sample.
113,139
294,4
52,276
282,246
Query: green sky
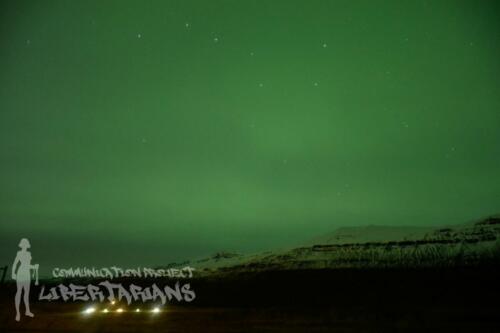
143,132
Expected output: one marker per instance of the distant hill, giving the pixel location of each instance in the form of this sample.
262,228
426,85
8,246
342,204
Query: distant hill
372,247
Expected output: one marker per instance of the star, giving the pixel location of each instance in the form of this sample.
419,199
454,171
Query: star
28,42
261,85
324,45
251,53
315,84
187,25
216,39
139,35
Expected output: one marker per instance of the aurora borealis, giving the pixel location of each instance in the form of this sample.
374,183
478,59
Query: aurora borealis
154,131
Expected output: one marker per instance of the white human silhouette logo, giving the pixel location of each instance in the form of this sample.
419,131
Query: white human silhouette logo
23,277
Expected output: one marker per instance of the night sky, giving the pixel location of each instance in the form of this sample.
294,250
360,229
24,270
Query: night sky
137,133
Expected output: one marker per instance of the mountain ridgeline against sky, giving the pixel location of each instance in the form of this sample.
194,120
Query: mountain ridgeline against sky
373,247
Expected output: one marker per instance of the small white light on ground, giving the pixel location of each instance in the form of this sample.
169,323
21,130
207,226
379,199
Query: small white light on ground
89,310
113,302
137,310
156,310
120,310
105,310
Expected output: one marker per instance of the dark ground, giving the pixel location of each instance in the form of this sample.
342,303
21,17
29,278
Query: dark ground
417,300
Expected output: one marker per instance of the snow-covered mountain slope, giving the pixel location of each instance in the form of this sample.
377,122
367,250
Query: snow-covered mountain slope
369,247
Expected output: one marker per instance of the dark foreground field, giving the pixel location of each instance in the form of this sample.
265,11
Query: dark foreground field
439,300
